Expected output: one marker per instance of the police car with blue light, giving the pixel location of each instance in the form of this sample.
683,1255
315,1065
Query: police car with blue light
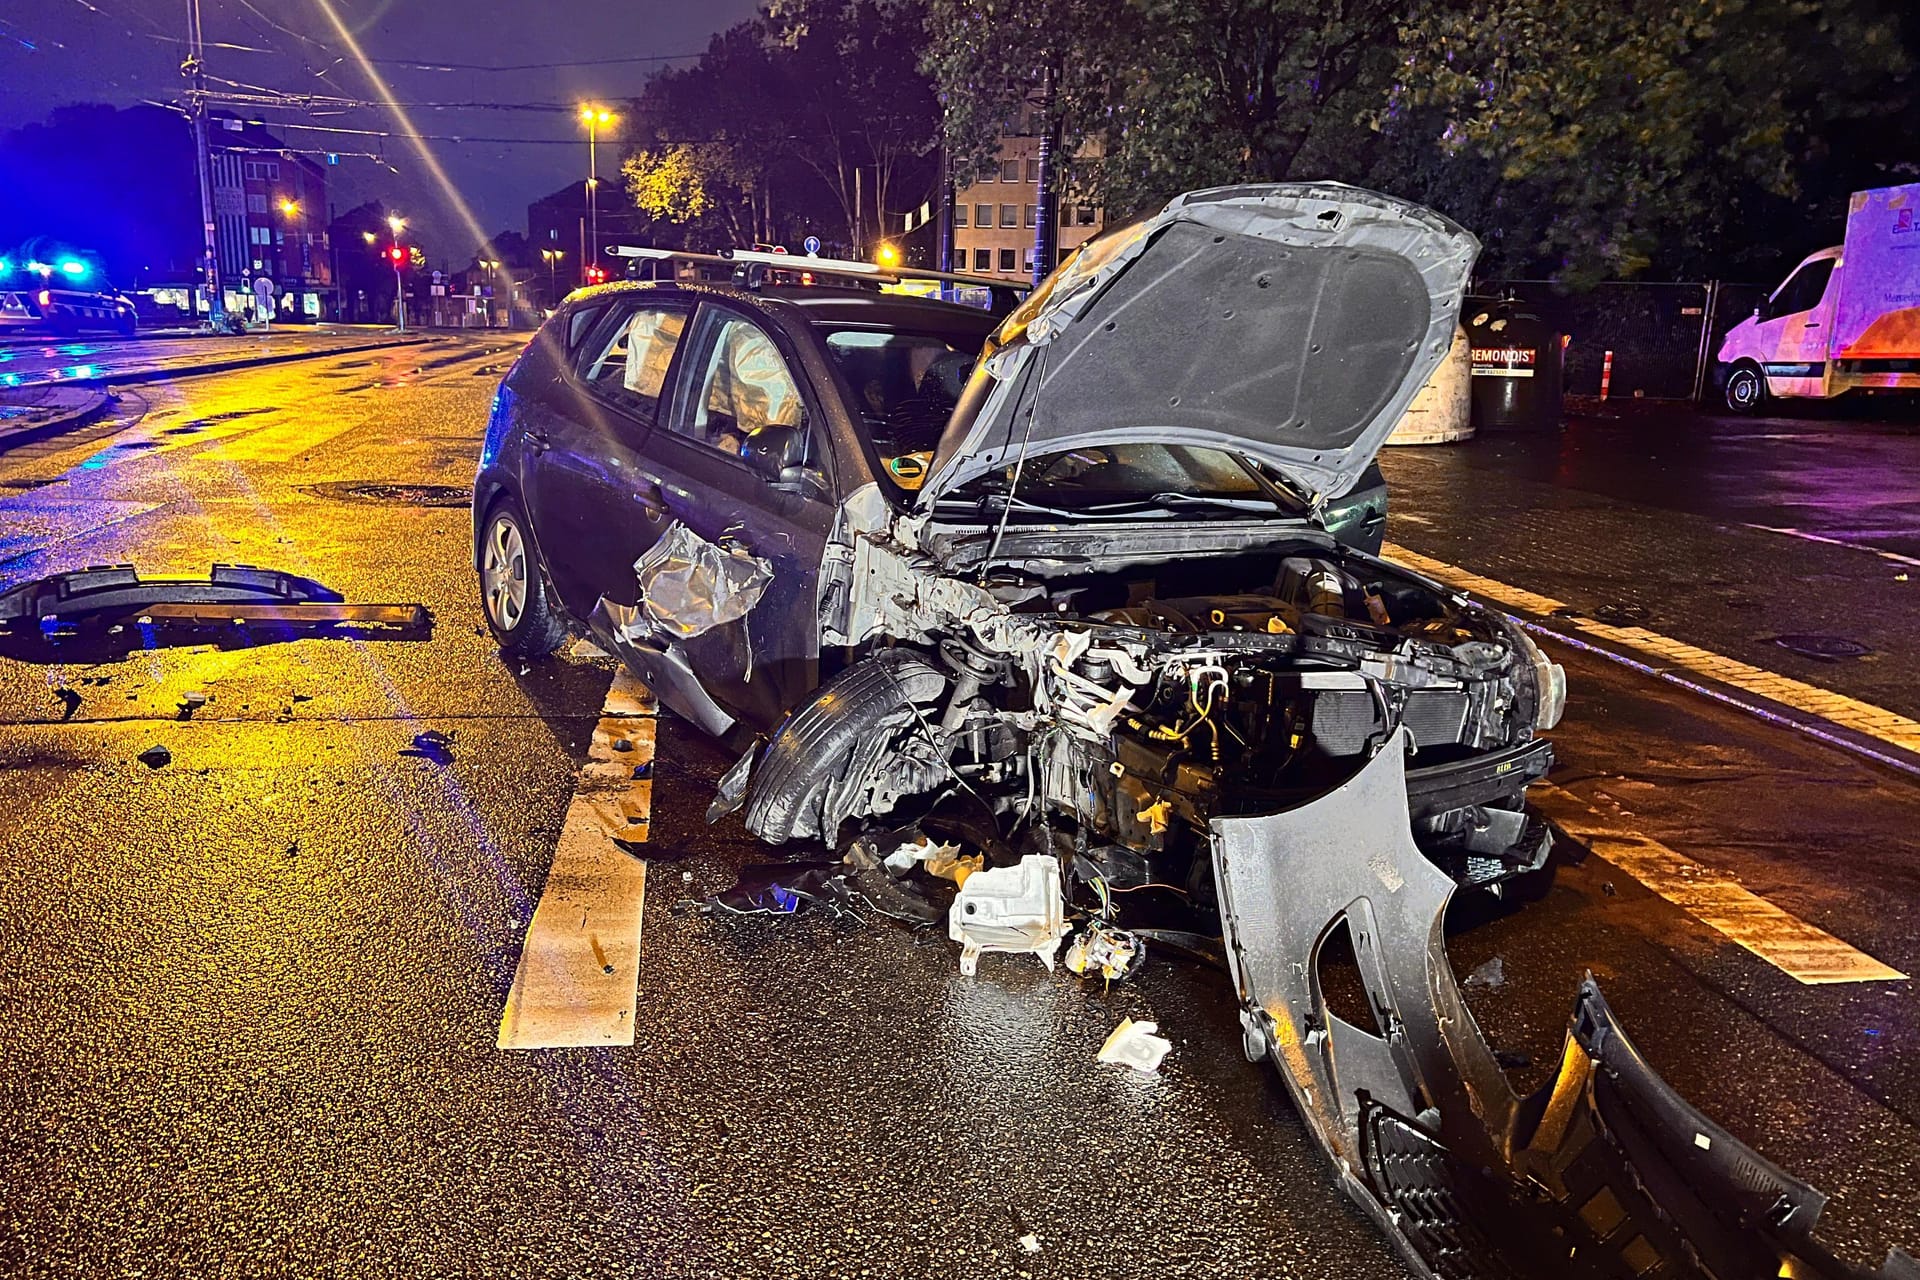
64,296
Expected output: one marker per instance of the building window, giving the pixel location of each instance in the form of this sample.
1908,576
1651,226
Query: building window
1026,261
262,170
260,235
1007,260
1009,171
553,233
1033,169
983,259
1086,215
1029,214
959,215
989,176
256,204
983,215
1008,212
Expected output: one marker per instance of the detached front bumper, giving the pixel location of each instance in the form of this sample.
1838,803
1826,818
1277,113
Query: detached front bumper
1606,1172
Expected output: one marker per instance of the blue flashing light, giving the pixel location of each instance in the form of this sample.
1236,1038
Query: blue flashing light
5,266
74,267
41,267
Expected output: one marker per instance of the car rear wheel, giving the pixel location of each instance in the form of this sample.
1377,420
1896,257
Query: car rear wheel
1746,388
512,590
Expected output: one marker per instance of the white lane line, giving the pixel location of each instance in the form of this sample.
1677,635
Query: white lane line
1798,949
1802,534
1863,718
580,965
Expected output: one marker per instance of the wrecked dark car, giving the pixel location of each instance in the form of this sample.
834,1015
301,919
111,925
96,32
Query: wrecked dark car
1105,585
1086,616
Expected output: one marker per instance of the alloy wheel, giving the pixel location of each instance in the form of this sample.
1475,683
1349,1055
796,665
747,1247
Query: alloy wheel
503,574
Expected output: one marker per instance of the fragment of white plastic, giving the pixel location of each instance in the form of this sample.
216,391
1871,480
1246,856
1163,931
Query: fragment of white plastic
1133,1044
1018,909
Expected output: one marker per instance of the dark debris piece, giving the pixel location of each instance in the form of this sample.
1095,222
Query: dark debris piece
433,746
155,757
69,702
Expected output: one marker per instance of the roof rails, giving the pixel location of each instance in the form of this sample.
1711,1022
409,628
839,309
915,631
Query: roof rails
749,267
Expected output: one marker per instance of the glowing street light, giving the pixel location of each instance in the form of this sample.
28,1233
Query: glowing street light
887,255
595,118
290,207
369,237
397,255
395,223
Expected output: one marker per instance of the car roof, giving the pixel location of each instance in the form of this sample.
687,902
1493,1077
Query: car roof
818,304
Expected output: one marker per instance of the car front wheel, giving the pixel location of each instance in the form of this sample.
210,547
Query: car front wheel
1746,389
512,592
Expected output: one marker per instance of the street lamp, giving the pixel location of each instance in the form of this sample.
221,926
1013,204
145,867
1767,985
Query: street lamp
552,258
290,208
595,118
887,255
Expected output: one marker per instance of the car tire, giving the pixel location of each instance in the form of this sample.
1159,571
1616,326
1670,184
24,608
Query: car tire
127,325
513,593
1746,389
818,745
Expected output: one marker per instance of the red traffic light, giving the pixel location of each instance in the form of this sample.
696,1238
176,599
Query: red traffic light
396,255
596,275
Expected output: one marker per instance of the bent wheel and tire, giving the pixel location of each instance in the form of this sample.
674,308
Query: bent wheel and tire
829,755
1746,389
511,591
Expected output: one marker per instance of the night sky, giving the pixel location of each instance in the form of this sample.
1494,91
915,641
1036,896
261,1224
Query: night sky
55,52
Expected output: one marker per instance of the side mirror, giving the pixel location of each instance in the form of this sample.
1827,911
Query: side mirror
772,450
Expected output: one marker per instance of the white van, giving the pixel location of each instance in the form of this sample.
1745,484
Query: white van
1847,318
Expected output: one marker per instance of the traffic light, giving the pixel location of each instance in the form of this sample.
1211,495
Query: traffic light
596,275
397,256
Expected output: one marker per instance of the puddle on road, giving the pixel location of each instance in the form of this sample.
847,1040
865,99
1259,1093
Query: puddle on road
1823,648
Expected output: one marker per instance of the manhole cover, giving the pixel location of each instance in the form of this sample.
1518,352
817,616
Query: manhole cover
406,495
1823,648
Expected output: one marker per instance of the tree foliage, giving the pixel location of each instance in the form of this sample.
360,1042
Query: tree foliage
1581,137
810,114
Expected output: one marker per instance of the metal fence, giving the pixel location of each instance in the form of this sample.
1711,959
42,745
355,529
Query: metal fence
1663,336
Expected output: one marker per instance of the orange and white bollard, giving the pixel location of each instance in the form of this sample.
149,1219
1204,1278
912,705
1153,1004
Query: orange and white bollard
1606,374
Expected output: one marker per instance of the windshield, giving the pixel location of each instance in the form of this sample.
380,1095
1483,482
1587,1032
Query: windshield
904,387
1127,478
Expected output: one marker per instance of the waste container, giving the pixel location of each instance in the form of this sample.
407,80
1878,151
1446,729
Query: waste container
1438,415
1516,366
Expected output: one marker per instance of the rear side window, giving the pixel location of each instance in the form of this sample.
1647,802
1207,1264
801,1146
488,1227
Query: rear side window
629,361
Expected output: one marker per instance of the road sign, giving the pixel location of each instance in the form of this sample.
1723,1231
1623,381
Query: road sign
812,245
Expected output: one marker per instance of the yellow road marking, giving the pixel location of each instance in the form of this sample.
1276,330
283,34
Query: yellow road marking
580,965
1802,951
1863,718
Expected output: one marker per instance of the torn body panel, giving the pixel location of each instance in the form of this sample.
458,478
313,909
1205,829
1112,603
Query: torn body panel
1604,1172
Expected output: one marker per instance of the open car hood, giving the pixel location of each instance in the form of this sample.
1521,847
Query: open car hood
1290,323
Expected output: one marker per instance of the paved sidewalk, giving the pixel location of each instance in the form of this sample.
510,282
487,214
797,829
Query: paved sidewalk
33,413
90,363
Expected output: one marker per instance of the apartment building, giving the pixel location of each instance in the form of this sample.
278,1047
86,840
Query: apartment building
994,216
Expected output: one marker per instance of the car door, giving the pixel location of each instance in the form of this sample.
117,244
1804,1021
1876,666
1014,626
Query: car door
595,504
1793,331
741,381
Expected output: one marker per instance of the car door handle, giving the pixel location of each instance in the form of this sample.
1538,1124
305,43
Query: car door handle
652,502
1811,324
540,441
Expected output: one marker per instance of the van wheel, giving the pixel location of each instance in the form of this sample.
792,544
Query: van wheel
513,591
1746,388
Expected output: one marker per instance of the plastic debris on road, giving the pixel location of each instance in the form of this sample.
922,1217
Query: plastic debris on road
1134,1044
433,746
155,757
1018,909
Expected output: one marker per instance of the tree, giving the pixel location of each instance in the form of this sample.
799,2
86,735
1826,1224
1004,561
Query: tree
1645,125
1581,137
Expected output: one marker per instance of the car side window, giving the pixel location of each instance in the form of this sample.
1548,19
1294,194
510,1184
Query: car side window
741,386
1803,292
628,360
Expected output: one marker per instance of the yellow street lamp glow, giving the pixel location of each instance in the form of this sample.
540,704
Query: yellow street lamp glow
368,236
395,222
887,256
289,207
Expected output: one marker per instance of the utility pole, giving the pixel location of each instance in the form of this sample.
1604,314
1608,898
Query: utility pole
1045,236
945,229
859,216
194,68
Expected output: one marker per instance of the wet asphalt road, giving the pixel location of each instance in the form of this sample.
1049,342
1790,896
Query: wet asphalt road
248,1001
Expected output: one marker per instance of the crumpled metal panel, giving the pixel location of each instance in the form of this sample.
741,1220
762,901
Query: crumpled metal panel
1606,1172
689,586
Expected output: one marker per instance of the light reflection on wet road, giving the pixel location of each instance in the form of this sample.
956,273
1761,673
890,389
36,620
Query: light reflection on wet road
250,998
